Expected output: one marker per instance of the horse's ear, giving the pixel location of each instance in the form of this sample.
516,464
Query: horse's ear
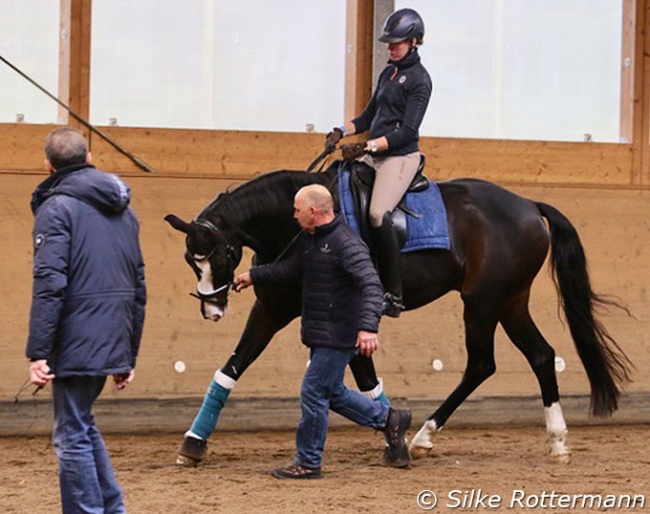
177,223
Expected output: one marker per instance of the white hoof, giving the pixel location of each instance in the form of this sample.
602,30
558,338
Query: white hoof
564,458
422,443
419,452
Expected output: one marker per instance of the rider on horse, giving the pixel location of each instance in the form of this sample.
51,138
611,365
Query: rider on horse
393,116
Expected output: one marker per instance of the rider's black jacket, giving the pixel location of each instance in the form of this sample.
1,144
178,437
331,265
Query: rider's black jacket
341,290
398,105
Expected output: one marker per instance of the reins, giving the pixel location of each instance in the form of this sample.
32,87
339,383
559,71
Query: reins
329,149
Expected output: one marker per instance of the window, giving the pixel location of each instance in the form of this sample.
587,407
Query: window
523,69
218,64
30,41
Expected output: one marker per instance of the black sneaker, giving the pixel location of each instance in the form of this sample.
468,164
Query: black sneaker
396,454
392,306
296,471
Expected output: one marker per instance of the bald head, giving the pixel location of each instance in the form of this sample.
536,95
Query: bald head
316,196
313,207
65,147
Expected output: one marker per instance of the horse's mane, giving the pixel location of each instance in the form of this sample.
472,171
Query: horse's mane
273,190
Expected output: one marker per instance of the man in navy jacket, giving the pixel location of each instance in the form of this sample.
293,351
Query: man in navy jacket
341,307
87,310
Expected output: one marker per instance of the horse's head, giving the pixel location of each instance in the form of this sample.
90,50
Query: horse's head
213,257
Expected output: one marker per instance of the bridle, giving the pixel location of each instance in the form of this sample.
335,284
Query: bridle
231,262
231,253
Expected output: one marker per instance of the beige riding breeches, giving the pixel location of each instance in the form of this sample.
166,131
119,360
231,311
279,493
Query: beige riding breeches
393,176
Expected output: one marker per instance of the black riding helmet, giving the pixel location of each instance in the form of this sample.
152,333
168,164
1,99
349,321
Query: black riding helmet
402,24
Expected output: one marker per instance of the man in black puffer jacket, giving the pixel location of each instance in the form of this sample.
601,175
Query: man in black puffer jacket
341,309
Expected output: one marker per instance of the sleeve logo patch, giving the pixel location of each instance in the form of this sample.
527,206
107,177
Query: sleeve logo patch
39,241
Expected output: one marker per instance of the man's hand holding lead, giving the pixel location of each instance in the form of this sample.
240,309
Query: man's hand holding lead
367,342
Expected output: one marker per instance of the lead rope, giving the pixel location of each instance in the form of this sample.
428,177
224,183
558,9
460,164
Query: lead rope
310,169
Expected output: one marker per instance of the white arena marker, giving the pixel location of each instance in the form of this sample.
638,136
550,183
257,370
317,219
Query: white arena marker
179,366
560,365
437,364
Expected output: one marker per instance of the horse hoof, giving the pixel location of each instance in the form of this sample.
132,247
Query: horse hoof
187,462
419,452
191,452
565,458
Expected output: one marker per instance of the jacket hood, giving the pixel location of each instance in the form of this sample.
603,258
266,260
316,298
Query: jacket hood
105,191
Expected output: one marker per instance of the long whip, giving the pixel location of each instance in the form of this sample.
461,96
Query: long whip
139,162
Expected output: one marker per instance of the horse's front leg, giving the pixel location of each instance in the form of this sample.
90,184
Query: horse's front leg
264,321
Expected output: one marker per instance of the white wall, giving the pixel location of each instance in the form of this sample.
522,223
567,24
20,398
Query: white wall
29,39
249,64
522,69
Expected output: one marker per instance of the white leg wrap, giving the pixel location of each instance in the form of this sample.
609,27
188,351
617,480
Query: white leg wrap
224,380
422,443
374,393
557,432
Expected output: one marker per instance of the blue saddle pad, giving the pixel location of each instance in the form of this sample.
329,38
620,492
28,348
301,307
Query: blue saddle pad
429,231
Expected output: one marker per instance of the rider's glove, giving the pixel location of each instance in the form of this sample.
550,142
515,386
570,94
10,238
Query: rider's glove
333,138
353,151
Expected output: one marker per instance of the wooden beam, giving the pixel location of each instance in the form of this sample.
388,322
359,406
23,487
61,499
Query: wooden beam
628,59
358,56
74,60
642,106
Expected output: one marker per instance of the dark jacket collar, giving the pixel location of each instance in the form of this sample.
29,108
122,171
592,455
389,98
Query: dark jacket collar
328,227
413,57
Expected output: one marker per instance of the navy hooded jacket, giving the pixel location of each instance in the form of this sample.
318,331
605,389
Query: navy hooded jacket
89,291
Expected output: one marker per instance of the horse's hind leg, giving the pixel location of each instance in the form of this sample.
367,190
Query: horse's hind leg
480,325
528,339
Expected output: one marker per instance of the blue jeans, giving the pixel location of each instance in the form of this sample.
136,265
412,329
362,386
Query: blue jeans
323,389
86,476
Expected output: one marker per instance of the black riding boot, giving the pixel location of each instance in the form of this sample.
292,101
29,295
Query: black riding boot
388,257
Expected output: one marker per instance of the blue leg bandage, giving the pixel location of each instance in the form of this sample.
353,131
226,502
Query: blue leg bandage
206,420
382,398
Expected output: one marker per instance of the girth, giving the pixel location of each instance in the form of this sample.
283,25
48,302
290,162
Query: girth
362,178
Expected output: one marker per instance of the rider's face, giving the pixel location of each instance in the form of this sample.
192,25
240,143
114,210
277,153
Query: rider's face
398,50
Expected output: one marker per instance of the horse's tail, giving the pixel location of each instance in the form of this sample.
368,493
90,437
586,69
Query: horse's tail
607,366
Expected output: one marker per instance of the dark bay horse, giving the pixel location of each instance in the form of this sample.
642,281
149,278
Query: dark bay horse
499,242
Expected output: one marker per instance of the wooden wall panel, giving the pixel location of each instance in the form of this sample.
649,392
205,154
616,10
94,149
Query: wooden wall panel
21,146
529,162
613,224
241,154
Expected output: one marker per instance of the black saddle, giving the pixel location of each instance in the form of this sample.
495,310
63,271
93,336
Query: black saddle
362,178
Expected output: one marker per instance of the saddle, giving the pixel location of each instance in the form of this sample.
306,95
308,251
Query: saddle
362,178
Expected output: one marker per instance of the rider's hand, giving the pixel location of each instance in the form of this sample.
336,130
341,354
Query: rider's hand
332,139
353,151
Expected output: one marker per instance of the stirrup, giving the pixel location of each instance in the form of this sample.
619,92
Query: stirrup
392,306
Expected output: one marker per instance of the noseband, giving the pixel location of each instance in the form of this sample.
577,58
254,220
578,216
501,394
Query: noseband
230,263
